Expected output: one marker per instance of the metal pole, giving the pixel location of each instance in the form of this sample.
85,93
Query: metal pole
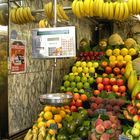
55,12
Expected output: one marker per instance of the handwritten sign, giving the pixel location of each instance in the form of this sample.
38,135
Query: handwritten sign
121,137
53,126
101,111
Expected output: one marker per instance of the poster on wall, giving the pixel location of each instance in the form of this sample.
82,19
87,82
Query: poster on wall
17,56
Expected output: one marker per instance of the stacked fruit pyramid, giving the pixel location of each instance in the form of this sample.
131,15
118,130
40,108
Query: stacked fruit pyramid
106,94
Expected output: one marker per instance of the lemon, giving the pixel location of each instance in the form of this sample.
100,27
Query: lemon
41,124
78,63
48,115
49,122
59,125
116,52
127,58
112,58
52,131
57,118
39,119
119,58
47,108
83,64
109,52
124,51
132,51
62,113
79,69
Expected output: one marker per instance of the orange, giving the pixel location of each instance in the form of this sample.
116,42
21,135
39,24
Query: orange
76,96
62,113
67,110
40,124
59,125
57,118
83,97
48,115
54,110
49,122
47,108
41,114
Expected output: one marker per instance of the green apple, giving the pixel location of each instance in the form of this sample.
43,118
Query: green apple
79,85
68,89
73,84
67,83
89,64
62,89
84,79
74,69
77,78
85,70
135,132
75,90
86,85
83,64
137,125
91,70
78,63
71,78
91,80
95,64
82,91
66,77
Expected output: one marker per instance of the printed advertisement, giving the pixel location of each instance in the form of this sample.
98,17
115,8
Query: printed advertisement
18,56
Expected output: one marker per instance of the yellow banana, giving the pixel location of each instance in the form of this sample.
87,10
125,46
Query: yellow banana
62,12
87,7
134,7
106,9
77,10
58,12
18,16
111,10
42,23
13,15
117,11
81,7
138,6
49,10
21,15
100,8
95,7
30,14
73,6
128,69
121,13
126,11
136,89
130,5
25,14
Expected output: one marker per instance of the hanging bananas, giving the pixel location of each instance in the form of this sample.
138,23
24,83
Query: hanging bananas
43,23
21,15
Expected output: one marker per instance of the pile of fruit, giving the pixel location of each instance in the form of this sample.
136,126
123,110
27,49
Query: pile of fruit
118,10
105,93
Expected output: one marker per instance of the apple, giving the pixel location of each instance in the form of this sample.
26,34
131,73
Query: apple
72,103
100,86
122,71
99,80
120,82
119,65
116,70
104,75
115,88
135,132
123,94
73,108
112,64
104,64
138,112
88,58
96,53
108,70
108,88
112,75
136,118
122,89
96,92
91,53
113,81
92,57
137,97
81,54
118,93
78,103
138,105
106,81
85,54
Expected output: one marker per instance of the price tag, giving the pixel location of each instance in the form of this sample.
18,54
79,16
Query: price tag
101,111
121,137
53,126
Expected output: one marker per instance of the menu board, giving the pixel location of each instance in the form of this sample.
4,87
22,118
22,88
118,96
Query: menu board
54,42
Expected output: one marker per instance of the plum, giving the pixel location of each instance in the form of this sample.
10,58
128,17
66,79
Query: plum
100,129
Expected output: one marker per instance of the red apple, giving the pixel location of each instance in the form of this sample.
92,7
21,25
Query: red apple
99,80
115,88
96,92
124,94
73,108
105,81
100,86
112,75
137,96
138,105
72,103
104,75
108,88
85,54
96,53
122,71
92,57
87,58
119,64
81,54
118,93
104,64
91,53
116,70
122,89
113,81
120,82
108,70
78,103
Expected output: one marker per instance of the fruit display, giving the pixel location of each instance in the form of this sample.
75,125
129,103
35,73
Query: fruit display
134,132
105,128
43,23
21,15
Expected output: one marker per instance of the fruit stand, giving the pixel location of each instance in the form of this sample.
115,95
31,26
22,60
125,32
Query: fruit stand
103,83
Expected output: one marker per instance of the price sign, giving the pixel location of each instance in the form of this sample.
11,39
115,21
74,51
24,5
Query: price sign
121,137
53,126
101,111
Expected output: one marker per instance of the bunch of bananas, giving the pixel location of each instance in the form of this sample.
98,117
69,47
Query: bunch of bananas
61,14
21,15
3,20
134,6
43,23
110,10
